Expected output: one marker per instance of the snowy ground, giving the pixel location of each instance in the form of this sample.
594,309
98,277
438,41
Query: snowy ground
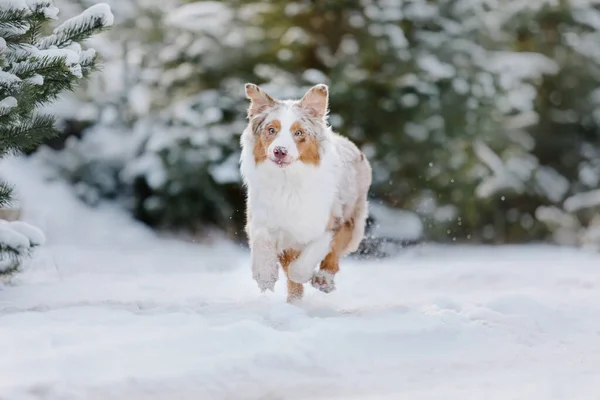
108,311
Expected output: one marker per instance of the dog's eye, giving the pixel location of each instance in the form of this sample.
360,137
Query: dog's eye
298,133
272,131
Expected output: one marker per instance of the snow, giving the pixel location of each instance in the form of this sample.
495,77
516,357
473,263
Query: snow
588,16
590,237
149,165
34,235
7,79
589,175
99,11
582,201
502,177
394,223
15,28
106,309
86,57
14,4
37,79
226,172
12,238
434,67
200,16
18,238
46,6
71,59
8,103
552,184
516,67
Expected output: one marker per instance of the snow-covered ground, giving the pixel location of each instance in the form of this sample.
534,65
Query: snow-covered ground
106,310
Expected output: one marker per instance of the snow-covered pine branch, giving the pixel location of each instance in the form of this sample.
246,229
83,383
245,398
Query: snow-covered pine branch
34,70
5,191
17,240
93,20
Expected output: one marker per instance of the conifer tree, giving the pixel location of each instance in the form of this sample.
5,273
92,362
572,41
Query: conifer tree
36,65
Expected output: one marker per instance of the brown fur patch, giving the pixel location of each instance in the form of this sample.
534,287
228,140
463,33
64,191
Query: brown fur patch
263,139
341,239
308,145
343,232
294,290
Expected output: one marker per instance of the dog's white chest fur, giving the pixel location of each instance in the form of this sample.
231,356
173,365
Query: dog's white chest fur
294,203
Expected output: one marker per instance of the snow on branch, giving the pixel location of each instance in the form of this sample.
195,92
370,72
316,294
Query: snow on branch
581,201
13,18
7,104
17,240
93,20
44,7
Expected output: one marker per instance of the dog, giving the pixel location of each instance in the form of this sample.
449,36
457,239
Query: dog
306,191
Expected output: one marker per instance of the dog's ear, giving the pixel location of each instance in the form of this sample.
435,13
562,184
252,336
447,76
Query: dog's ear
259,99
316,100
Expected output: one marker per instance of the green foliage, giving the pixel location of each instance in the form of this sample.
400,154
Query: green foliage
396,78
5,191
478,116
35,69
567,137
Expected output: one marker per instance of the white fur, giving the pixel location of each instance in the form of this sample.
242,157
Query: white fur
302,269
285,137
265,267
290,207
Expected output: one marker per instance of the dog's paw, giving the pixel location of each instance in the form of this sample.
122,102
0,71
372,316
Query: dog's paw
324,281
300,272
266,273
266,277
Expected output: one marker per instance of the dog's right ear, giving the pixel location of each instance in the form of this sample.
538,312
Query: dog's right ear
259,99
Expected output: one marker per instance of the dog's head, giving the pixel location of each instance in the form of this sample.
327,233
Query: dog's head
287,131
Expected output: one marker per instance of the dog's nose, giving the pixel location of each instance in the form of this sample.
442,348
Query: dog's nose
280,152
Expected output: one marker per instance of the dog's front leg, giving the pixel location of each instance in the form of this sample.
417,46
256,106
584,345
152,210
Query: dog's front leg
265,270
302,269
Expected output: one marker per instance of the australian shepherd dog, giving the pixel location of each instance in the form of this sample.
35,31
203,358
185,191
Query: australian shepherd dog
306,191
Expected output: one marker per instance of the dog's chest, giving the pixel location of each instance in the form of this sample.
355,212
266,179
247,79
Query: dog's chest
295,208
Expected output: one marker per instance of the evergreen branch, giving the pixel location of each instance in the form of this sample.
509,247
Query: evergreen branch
34,71
27,134
13,22
90,65
11,259
18,51
73,34
39,65
9,262
5,192
94,20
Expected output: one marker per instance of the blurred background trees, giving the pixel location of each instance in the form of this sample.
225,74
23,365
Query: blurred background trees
481,118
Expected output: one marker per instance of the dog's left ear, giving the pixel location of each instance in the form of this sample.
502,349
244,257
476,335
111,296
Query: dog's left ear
316,100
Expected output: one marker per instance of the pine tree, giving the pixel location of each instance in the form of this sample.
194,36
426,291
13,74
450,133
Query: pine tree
36,65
